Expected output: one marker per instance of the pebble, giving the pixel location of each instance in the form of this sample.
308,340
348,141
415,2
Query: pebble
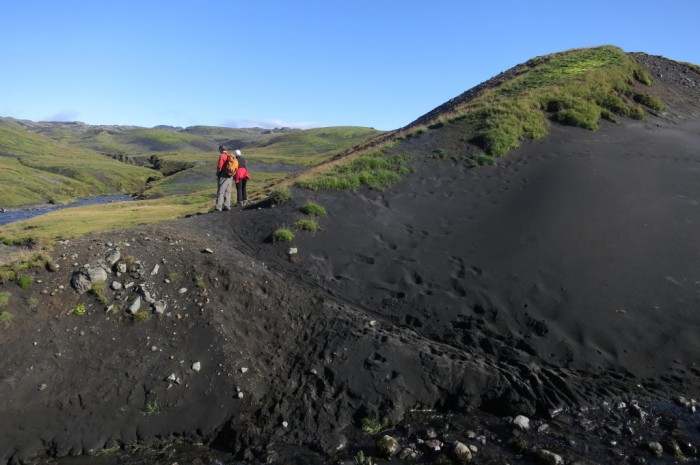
522,422
196,366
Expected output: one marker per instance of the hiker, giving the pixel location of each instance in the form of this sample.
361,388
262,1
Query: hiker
225,171
241,179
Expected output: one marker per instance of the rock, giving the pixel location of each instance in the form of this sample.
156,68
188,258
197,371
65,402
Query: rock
522,422
116,285
239,395
159,307
656,449
461,453
433,445
83,279
112,256
196,366
292,251
135,305
182,290
244,369
387,446
121,267
207,250
546,457
155,269
409,454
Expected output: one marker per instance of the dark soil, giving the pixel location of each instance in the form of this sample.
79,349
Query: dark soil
562,284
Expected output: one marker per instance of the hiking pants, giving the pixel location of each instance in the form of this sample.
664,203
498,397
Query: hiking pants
241,194
223,193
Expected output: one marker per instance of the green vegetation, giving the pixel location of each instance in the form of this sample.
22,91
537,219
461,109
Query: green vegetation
150,408
98,290
79,310
314,209
576,87
306,225
4,298
199,282
141,316
172,277
376,170
32,301
362,459
6,318
25,281
650,101
282,235
280,196
373,426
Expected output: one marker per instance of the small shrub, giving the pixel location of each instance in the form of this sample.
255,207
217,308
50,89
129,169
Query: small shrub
280,196
306,225
79,310
25,281
172,277
438,154
150,408
362,459
481,160
642,76
373,426
6,318
141,316
282,235
649,101
32,301
4,298
98,290
7,275
314,209
199,282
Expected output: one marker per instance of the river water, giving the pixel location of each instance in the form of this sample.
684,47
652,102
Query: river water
10,215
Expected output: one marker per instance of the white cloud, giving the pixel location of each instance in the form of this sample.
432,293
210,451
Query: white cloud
66,115
268,124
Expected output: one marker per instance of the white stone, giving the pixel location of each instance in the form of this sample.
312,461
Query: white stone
522,422
196,366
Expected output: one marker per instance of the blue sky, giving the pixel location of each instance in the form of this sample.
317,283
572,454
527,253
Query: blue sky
303,63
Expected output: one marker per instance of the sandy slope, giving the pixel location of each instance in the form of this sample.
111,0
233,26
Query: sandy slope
565,275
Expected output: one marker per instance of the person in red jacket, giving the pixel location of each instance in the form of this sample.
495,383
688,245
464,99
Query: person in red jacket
224,182
241,179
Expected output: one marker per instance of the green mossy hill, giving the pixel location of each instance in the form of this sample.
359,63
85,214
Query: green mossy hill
36,169
576,87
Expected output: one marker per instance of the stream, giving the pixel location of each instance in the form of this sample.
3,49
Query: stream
10,215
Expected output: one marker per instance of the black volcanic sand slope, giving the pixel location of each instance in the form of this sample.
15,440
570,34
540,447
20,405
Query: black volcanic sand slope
568,271
565,275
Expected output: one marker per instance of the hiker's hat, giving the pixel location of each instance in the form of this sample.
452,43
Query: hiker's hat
238,152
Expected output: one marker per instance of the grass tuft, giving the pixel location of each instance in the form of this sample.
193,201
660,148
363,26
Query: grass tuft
79,310
373,426
25,281
4,298
314,209
141,316
6,318
280,196
306,225
282,235
98,290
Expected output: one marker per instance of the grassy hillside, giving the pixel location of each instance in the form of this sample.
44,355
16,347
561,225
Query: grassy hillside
576,87
37,169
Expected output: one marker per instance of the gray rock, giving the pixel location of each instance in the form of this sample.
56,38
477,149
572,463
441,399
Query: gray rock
112,256
155,269
121,267
97,274
196,366
656,449
159,307
522,422
116,285
546,457
387,445
135,305
80,282
461,452
409,454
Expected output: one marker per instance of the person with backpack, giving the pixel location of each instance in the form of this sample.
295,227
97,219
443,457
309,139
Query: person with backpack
241,179
225,171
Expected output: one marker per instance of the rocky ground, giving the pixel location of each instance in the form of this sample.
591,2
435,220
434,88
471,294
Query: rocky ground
541,311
